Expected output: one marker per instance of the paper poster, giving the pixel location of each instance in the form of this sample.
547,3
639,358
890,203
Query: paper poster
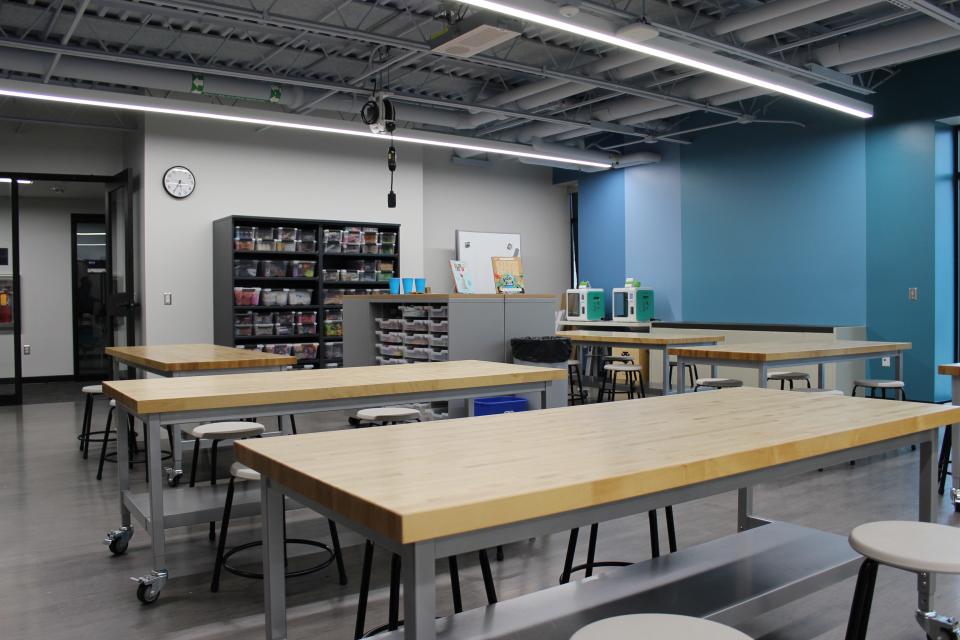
508,274
462,280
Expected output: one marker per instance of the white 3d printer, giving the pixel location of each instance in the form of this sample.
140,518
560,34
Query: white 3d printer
632,303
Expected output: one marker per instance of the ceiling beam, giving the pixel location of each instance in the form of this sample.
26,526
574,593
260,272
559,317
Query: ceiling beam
931,10
66,37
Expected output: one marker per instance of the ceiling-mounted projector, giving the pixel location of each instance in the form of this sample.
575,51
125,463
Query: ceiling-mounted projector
378,114
474,35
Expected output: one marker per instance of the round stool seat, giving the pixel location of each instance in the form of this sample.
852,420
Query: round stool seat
623,368
625,359
820,392
879,384
788,375
92,389
656,626
719,383
113,404
226,430
913,546
243,472
573,363
388,414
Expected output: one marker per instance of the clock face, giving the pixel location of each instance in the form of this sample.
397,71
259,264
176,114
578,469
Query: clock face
179,182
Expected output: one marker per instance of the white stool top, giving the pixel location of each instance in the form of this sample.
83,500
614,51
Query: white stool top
820,392
572,363
788,375
92,389
388,413
879,384
243,472
656,626
226,430
719,382
618,358
622,367
113,403
914,546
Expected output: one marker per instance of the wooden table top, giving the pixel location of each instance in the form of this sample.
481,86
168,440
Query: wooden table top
950,369
429,480
624,324
165,395
654,337
196,357
779,351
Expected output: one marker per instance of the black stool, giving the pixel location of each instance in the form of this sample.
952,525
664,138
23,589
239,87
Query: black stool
574,383
393,615
633,376
85,437
591,563
243,472
880,386
132,449
690,369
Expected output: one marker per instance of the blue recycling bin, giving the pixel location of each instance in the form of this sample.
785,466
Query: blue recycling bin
499,404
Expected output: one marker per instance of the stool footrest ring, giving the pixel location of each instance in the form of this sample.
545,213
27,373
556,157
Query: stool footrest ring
257,575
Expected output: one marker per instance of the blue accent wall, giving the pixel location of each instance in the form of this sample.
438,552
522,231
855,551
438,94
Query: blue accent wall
773,225
601,223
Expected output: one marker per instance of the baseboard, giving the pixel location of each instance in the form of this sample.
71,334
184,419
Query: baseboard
68,378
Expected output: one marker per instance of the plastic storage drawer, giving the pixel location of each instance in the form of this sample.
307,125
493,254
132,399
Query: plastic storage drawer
332,328
390,324
273,268
306,329
391,350
263,329
306,317
246,296
439,326
331,275
414,311
303,269
245,268
274,297
244,233
416,325
438,312
417,353
300,297
440,340
333,350
417,339
440,355
264,317
390,337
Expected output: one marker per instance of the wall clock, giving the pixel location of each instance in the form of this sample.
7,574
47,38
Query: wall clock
179,182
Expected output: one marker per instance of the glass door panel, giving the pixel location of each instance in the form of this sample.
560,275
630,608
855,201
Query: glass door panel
10,382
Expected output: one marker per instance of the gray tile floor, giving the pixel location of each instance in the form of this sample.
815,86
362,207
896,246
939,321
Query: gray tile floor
57,580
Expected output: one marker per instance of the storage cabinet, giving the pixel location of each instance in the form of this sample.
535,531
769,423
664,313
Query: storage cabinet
280,283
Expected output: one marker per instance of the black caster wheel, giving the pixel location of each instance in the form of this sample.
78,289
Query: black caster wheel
956,507
174,480
118,547
147,594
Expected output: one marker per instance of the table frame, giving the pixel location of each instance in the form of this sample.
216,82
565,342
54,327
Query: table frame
763,367
155,519
419,559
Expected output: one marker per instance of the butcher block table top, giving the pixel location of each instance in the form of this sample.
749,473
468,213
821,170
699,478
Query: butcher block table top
950,369
166,395
196,357
779,351
656,337
426,481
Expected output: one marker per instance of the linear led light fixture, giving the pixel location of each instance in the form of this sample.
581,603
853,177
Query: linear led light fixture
91,233
691,57
18,181
76,98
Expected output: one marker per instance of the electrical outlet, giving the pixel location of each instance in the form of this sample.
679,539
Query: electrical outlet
26,349
167,299
912,294
885,361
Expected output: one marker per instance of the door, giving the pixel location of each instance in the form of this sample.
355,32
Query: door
123,307
91,287
10,372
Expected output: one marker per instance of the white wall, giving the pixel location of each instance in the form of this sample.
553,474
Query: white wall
241,172
504,197
33,148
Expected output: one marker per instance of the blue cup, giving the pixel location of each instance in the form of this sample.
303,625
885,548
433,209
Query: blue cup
395,286
408,285
421,285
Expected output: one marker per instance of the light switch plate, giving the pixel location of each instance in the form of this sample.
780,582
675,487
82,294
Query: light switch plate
912,294
885,361
26,349
167,299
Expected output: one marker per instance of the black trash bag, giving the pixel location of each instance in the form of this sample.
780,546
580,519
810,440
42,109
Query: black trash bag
546,349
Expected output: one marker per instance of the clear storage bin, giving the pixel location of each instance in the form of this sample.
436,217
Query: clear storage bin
263,329
244,233
417,353
300,297
414,311
384,265
332,328
333,297
351,248
331,275
285,245
273,268
333,314
245,268
265,245
246,296
306,317
439,326
283,329
309,350
439,355
349,275
264,233
390,337
264,317
306,329
286,233
332,235
416,325
391,350
387,248
368,276
243,244
274,297
390,237
308,235
441,340
279,349
438,312
370,235
303,269
244,318
242,330
384,276
417,339
307,246
332,247
390,324
333,350
286,317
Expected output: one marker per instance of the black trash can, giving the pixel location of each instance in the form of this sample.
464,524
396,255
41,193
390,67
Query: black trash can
544,351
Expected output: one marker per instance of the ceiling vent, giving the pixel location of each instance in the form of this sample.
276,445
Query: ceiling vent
474,35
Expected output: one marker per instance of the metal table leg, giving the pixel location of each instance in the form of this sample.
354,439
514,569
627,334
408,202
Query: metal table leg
926,583
681,379
274,580
762,375
150,585
419,591
665,372
821,376
955,451
744,508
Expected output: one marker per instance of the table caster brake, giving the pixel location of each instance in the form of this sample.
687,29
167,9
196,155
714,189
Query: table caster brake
938,627
173,476
150,586
118,540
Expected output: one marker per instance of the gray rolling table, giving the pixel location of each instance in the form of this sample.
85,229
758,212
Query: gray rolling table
522,475
173,401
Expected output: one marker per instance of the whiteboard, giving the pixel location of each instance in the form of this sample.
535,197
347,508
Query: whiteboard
476,248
